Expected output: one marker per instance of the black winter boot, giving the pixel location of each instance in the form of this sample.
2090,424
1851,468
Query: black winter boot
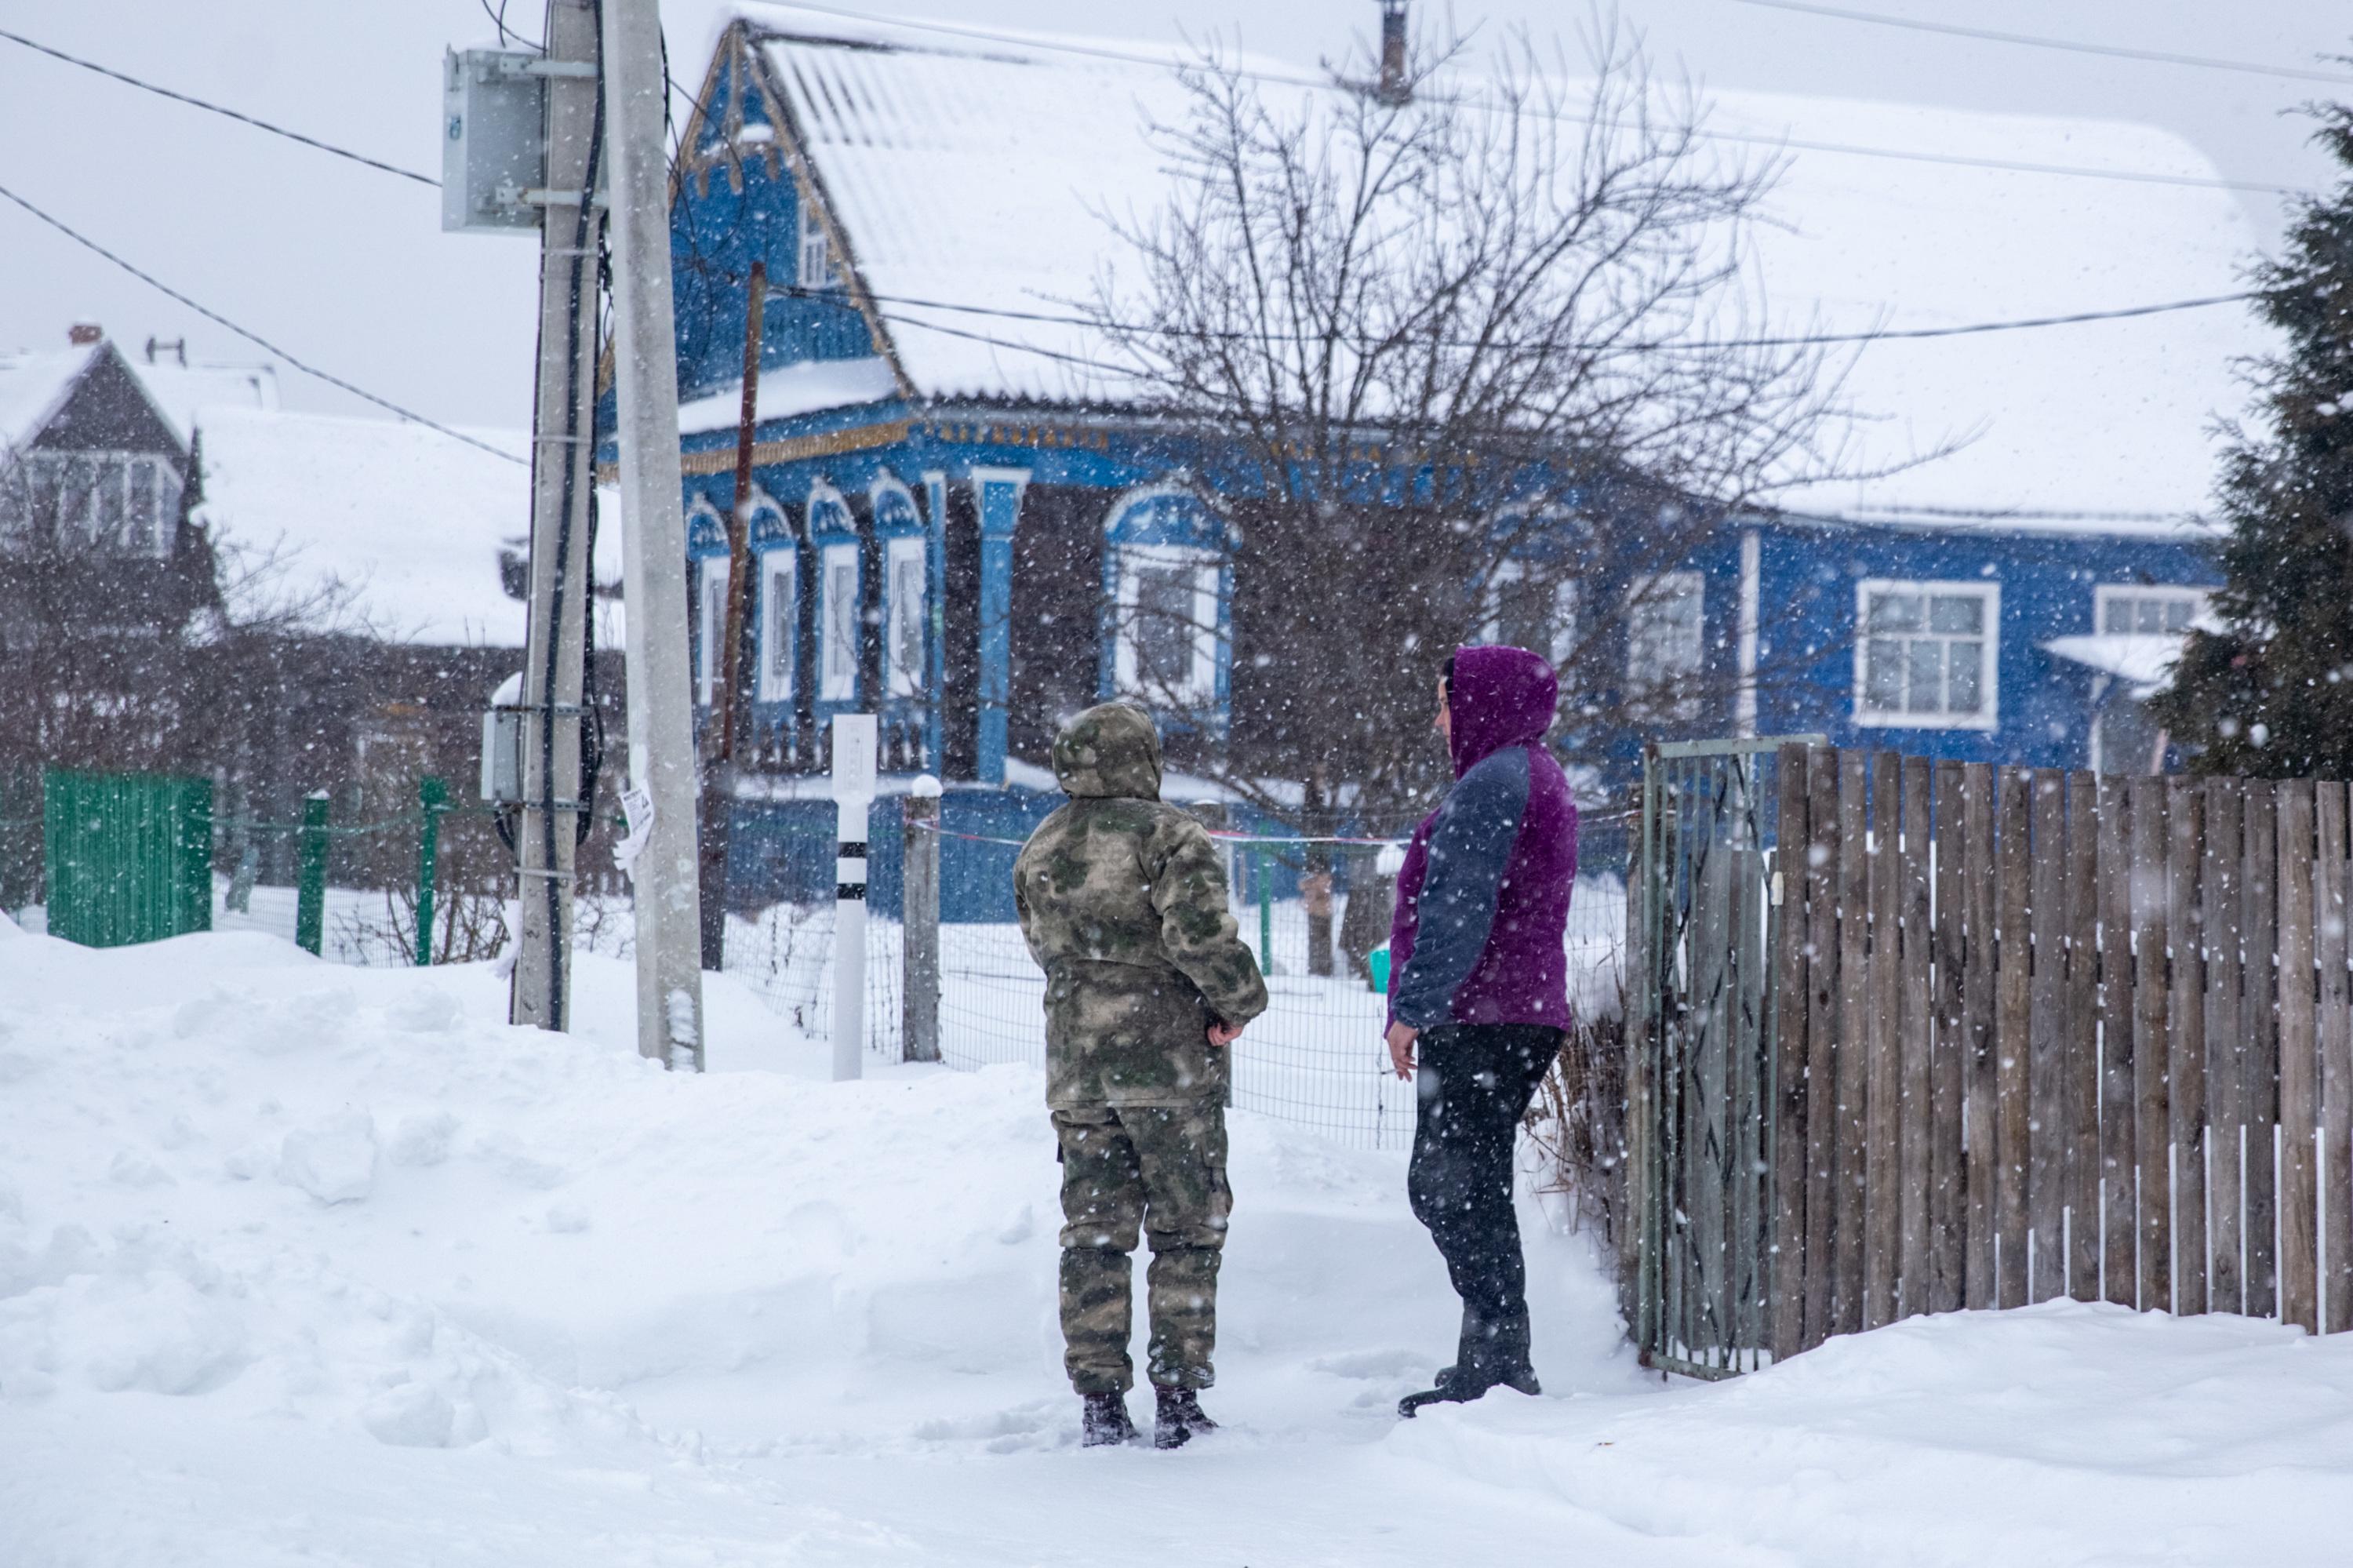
1103,1421
1180,1418
1489,1356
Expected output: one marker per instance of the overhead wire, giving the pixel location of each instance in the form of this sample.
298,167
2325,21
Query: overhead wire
1141,329
1293,78
2071,46
332,379
210,107
1001,312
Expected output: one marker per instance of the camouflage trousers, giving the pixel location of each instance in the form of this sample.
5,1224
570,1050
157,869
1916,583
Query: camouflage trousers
1160,1169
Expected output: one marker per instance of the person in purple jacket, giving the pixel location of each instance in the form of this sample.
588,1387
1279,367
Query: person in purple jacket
1479,987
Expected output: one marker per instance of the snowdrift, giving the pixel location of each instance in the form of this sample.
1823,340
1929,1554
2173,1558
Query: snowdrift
301,1262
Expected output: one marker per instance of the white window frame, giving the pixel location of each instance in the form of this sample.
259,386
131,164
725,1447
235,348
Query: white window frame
1560,624
780,622
711,586
1657,686
837,623
1989,717
2105,594
816,267
899,679
1200,686
102,522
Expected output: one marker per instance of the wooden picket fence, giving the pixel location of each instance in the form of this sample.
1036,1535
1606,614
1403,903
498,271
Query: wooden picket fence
2038,1034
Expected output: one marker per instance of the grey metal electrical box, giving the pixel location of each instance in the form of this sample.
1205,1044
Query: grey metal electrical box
493,141
502,732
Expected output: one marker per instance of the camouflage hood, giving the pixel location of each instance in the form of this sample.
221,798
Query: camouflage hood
1110,750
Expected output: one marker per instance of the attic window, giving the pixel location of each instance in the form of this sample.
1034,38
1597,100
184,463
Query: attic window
816,267
122,502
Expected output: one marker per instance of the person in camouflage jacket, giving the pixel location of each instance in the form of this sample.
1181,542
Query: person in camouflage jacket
1123,902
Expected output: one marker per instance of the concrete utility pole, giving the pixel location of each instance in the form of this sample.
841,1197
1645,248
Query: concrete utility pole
661,726
562,449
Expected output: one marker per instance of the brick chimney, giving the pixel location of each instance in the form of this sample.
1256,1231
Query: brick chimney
82,335
1393,87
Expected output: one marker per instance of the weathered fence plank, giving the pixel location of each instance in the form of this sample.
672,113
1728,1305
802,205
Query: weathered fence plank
2336,1008
2152,1111
1980,1036
2299,1061
1883,1227
2186,1040
1822,884
2226,1070
1794,838
2082,1056
2047,1126
2259,1026
2014,1043
1854,1037
1915,1034
2117,1164
1948,1171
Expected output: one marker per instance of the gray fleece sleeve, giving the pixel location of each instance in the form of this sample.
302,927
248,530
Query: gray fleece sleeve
1470,846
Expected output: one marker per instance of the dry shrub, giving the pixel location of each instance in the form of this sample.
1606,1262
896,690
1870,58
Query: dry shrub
1577,1121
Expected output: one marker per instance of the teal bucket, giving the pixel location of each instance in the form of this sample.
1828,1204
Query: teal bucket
1377,960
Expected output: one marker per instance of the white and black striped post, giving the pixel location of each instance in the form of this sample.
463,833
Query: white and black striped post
854,748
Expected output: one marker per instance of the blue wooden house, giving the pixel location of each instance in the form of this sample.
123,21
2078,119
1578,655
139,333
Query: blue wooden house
952,497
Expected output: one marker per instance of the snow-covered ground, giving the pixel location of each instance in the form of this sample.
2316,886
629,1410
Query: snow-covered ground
308,1264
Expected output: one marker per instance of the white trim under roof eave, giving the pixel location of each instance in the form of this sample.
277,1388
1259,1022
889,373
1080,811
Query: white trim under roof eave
812,189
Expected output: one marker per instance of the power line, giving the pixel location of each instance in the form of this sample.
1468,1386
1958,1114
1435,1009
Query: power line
1852,149
195,102
1989,35
256,338
2020,324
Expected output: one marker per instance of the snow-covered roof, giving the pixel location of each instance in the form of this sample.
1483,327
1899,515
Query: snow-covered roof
2142,660
406,520
980,173
32,388
34,385
182,390
789,390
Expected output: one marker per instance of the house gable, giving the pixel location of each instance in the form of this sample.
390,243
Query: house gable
107,409
744,192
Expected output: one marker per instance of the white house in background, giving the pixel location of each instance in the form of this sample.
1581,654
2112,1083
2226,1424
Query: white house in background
95,443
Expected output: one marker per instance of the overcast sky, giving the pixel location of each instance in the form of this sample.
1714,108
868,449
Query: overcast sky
348,269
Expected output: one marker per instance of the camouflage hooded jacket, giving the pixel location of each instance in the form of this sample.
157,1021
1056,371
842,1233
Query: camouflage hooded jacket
1123,902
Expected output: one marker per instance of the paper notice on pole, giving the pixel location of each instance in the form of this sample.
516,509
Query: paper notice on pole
637,810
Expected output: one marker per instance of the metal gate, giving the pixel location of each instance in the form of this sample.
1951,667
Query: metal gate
128,856
1706,911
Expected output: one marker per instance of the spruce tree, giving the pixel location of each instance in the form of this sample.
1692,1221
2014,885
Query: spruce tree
2270,693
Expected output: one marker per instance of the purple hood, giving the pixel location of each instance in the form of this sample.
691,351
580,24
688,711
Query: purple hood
1499,697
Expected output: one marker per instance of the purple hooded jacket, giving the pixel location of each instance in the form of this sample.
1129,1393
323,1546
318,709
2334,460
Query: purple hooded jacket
1483,897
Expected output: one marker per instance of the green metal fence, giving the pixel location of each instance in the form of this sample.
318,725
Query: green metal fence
128,857
1700,1000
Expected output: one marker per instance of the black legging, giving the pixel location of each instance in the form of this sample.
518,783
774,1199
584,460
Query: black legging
1460,1179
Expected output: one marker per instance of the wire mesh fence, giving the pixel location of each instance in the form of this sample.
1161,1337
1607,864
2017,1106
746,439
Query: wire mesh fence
1315,1059
1313,910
